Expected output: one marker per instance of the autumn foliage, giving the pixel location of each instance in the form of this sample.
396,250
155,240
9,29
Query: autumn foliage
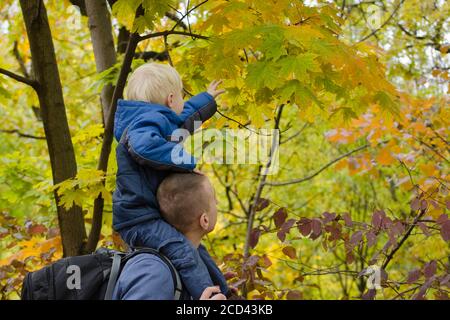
359,208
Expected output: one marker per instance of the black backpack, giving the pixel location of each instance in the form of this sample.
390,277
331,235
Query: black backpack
96,273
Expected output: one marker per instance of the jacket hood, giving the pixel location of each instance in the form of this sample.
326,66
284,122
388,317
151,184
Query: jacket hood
128,110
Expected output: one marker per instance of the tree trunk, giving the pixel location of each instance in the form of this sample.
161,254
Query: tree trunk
103,43
60,148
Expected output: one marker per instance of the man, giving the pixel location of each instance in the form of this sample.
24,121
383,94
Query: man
188,202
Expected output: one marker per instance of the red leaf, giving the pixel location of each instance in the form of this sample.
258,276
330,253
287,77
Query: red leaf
415,204
230,275
261,204
316,227
424,229
280,217
442,218
294,295
265,262
37,229
327,217
254,237
304,226
423,204
356,238
445,230
285,228
430,269
371,238
290,252
377,218
413,276
369,294
347,219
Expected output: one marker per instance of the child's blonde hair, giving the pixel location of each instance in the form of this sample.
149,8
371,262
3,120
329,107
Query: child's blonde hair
153,82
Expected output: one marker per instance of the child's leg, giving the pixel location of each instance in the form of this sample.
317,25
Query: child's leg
159,235
215,273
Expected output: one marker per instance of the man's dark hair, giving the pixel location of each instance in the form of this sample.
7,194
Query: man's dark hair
181,199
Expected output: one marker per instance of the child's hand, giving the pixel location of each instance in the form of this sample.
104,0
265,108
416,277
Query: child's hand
212,88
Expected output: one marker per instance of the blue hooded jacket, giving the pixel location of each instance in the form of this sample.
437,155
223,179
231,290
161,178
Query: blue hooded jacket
142,130
145,156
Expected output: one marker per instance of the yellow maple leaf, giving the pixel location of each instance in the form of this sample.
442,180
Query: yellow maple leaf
384,157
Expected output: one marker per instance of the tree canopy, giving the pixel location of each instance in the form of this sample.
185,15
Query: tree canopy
358,90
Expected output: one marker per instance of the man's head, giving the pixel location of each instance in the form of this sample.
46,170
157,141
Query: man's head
157,83
188,202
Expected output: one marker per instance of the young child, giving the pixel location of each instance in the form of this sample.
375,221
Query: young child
143,126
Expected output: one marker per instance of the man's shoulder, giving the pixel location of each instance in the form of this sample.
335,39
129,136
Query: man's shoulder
147,260
145,277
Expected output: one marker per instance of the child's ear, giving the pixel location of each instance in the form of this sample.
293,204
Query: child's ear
204,221
170,100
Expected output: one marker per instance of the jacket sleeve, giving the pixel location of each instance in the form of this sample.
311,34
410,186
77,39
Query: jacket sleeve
197,110
146,143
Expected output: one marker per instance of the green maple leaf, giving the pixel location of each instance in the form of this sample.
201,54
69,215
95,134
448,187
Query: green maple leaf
273,43
263,74
299,65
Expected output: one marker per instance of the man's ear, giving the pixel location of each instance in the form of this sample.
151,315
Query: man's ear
204,221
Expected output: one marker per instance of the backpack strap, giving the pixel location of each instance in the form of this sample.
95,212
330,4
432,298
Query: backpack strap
115,270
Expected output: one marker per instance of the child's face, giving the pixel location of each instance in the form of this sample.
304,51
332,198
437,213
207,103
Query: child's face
175,102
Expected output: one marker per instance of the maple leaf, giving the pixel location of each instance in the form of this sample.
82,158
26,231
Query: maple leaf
384,157
263,73
299,65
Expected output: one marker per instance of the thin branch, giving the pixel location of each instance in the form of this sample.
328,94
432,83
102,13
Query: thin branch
384,23
261,185
295,134
311,176
174,17
169,32
404,238
21,134
407,32
187,14
440,137
432,149
31,83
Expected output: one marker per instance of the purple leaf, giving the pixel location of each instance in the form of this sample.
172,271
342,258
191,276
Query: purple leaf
430,269
279,217
261,204
294,295
413,276
369,294
424,229
316,227
445,230
356,238
442,219
415,204
254,237
347,219
371,238
327,217
377,218
304,226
